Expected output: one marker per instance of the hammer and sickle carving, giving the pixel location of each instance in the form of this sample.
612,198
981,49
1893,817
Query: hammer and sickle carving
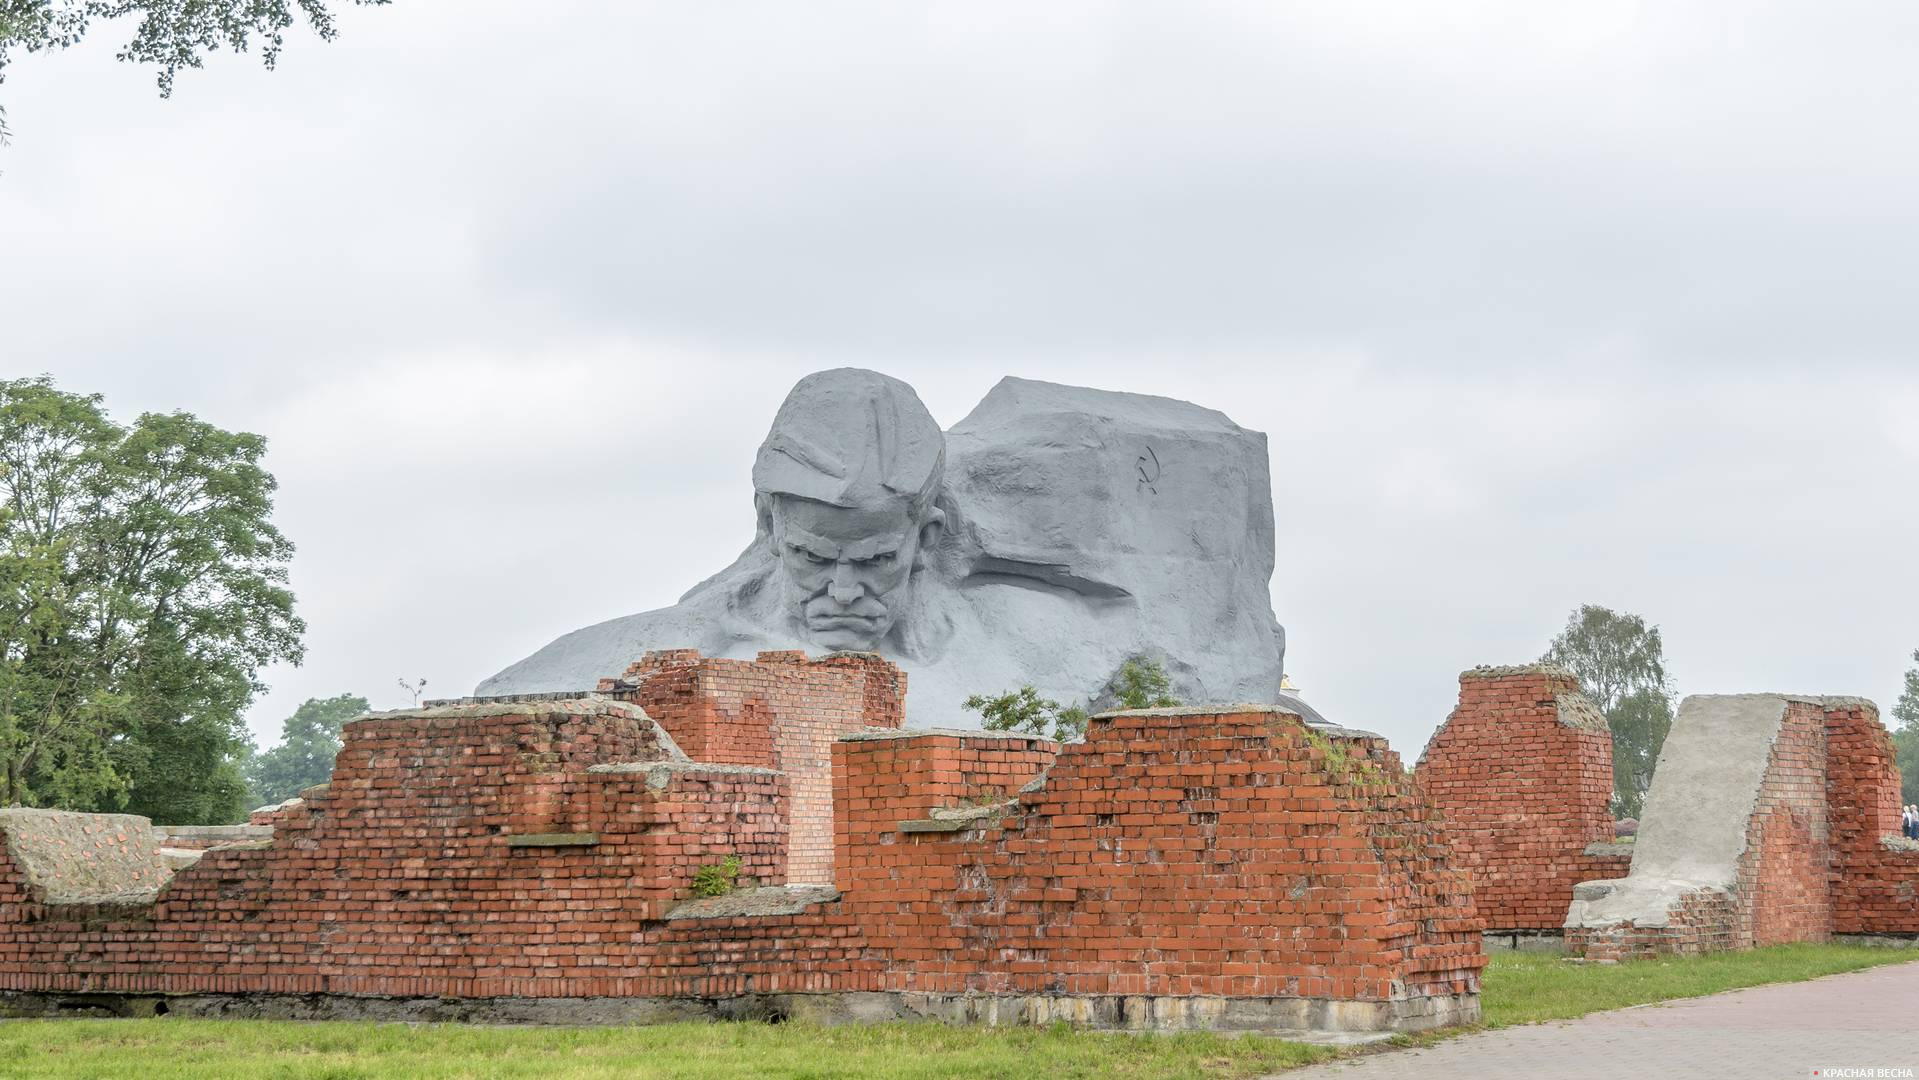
1149,470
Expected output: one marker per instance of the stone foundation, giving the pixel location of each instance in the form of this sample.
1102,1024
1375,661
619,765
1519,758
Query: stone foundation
1319,1020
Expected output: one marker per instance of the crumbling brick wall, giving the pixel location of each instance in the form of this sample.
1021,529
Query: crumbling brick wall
1783,894
1785,838
1522,774
1875,873
516,851
464,851
1174,852
782,711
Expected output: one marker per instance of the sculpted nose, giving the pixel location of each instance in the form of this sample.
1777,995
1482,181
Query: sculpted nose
845,587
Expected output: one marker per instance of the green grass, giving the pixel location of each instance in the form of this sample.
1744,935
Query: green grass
1519,988
164,1049
1525,988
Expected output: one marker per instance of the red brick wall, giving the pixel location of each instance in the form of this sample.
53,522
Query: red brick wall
1705,921
782,711
1782,876
1177,854
1875,890
1524,785
1203,853
400,879
1784,889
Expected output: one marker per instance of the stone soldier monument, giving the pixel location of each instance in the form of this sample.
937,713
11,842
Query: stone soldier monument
1051,535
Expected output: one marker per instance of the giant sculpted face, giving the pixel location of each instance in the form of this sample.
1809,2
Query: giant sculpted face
845,483
847,571
1048,537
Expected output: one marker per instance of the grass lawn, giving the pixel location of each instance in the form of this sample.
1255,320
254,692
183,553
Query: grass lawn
1519,988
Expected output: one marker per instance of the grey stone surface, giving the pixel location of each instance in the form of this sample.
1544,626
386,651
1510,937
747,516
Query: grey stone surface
280,807
1610,851
584,703
1525,940
659,774
215,834
750,903
1693,831
553,840
178,859
1051,535
72,858
1306,1019
1882,941
959,818
1309,1019
1286,704
1500,671
1578,711
889,734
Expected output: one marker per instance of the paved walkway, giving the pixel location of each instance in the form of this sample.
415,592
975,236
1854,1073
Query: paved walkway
1864,1020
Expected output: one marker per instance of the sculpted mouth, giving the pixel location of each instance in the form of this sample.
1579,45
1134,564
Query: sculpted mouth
842,622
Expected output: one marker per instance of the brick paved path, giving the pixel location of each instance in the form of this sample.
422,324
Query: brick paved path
1867,1019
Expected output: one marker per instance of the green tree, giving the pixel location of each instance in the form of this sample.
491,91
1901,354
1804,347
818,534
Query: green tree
1140,683
1621,664
309,741
1024,710
1143,684
171,34
1905,736
144,587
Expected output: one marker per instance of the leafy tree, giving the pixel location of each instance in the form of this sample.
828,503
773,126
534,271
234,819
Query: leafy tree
1024,710
1140,683
1905,736
1143,684
309,741
172,34
142,584
1621,664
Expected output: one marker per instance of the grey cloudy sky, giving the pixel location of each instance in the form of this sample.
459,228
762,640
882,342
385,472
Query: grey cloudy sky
1540,304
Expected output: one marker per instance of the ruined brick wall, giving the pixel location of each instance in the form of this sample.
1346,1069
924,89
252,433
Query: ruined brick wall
1174,852
468,851
1522,774
1875,874
1780,887
1703,921
782,711
546,849
1783,894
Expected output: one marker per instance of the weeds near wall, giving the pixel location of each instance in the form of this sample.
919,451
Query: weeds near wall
717,879
1343,768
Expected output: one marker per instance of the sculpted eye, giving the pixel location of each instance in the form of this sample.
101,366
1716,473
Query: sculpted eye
809,555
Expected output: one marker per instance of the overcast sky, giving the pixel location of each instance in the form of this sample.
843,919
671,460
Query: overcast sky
1539,306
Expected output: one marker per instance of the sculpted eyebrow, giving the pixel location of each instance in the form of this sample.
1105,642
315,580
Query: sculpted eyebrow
825,549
